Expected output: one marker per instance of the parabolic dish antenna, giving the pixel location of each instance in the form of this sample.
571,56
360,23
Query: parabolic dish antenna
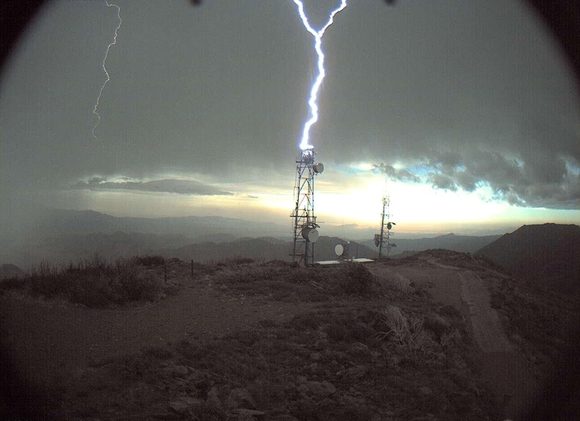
318,167
310,234
339,249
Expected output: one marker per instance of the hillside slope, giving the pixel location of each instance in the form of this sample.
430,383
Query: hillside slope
547,254
460,243
264,248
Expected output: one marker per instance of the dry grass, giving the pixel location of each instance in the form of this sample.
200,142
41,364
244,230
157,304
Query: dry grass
287,368
285,282
94,283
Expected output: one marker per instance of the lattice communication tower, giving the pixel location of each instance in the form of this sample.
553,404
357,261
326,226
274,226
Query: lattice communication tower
303,217
383,239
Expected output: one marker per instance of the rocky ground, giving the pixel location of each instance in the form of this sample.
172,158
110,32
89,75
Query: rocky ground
428,337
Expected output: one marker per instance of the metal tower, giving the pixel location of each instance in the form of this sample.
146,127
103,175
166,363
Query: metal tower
303,218
384,238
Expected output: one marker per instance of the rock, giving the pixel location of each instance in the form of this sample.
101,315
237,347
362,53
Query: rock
355,372
393,360
428,417
359,348
436,324
176,370
248,414
284,417
240,398
183,404
313,367
320,389
353,401
213,397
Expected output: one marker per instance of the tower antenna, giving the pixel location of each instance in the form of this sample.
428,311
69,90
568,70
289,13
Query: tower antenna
383,239
303,217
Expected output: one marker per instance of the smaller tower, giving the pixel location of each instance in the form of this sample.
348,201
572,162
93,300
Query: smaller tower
303,217
383,239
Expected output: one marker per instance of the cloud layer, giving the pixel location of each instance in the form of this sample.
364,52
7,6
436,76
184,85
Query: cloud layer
456,94
189,187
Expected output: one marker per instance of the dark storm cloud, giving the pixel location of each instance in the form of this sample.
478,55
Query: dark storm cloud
397,174
189,187
541,181
474,106
474,92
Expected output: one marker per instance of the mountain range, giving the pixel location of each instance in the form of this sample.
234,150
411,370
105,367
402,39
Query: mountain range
535,252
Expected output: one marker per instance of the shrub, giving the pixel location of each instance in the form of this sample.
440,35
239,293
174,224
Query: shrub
148,261
238,260
11,284
404,330
95,284
356,279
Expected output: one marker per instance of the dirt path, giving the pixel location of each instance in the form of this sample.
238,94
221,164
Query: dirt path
50,341
487,329
509,375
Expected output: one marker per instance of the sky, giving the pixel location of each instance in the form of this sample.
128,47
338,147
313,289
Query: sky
465,112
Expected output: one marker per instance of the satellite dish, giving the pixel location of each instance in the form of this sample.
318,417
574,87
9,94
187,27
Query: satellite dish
310,234
318,168
339,249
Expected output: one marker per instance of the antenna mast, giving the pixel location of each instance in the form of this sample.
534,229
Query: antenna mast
303,218
384,237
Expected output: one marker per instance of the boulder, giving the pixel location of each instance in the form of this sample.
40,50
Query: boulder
240,398
176,371
213,397
184,404
318,389
355,372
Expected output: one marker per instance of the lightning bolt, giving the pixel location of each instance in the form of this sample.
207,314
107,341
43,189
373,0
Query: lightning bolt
103,65
313,100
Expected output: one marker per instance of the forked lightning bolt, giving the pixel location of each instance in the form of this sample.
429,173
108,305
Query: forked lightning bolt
103,65
313,101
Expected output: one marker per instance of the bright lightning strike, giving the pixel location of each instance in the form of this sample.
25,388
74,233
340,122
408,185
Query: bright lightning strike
103,65
313,101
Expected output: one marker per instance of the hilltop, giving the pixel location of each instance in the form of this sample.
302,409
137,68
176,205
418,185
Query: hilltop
438,335
454,242
547,254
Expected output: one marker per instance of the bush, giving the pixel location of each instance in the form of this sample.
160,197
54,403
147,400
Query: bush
356,279
95,284
405,330
148,261
11,284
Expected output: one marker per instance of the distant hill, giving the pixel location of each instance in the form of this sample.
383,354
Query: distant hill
75,247
9,270
55,222
460,243
546,254
264,248
58,235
